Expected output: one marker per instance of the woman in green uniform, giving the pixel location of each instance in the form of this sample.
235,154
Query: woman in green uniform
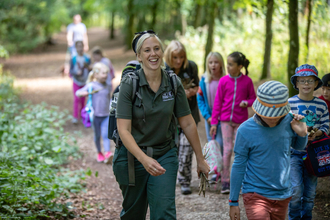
145,124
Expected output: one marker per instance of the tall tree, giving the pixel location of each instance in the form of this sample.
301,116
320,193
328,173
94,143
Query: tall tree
309,5
154,8
130,24
268,42
198,13
112,25
294,42
209,42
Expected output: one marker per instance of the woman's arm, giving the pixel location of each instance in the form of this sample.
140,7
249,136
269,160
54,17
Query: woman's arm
150,164
189,128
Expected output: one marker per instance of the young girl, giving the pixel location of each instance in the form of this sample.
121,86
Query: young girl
79,73
176,60
234,94
97,56
208,85
101,100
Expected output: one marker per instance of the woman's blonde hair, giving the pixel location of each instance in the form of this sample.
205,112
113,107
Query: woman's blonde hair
207,73
140,43
178,47
96,68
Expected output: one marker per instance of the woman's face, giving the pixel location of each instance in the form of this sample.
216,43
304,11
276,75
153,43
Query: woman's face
215,67
178,58
151,54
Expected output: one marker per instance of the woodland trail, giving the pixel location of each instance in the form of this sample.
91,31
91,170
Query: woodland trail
39,78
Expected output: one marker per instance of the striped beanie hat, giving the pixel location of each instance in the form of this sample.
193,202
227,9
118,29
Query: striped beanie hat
272,100
305,70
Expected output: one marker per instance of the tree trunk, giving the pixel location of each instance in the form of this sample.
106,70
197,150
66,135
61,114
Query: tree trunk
154,14
112,25
268,43
294,42
130,24
211,21
309,2
176,18
198,10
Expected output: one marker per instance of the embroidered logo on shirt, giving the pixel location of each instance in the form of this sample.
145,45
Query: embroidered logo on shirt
167,96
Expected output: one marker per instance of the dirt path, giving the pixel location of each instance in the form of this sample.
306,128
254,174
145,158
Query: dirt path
38,76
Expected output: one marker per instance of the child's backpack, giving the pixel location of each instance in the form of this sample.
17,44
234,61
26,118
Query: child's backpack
317,159
87,113
131,69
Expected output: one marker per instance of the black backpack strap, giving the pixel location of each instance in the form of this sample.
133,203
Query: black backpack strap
135,83
173,80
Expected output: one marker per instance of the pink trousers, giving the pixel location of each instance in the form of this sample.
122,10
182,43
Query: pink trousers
78,102
258,207
228,130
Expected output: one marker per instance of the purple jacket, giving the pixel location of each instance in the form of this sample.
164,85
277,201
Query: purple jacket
231,92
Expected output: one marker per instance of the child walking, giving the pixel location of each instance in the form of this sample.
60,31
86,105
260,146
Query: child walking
176,59
97,79
79,73
97,56
208,86
234,94
326,89
315,110
262,155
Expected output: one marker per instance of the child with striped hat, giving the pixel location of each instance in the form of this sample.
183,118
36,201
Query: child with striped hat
262,155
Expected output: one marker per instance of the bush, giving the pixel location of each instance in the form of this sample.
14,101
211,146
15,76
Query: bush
33,148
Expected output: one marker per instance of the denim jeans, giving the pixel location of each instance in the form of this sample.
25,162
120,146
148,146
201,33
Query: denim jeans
303,187
218,136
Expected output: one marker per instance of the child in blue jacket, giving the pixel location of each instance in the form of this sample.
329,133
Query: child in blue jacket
208,85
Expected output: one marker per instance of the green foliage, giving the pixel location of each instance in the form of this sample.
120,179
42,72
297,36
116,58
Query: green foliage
248,37
33,146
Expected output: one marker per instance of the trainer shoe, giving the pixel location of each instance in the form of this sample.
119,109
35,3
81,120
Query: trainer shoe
108,158
185,190
100,157
225,188
74,121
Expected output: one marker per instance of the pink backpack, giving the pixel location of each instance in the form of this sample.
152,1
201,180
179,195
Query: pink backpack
213,156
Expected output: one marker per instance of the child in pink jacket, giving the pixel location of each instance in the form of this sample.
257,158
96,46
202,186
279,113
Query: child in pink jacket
234,94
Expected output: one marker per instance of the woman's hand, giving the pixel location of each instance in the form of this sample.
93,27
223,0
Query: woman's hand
213,130
202,167
152,166
299,127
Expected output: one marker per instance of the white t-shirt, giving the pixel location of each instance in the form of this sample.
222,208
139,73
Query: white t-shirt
78,31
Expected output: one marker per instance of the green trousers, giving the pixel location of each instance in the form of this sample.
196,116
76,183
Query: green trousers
156,191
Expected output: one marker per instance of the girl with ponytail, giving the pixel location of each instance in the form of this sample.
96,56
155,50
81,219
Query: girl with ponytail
234,94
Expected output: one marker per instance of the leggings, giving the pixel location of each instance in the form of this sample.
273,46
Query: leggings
78,102
101,129
228,130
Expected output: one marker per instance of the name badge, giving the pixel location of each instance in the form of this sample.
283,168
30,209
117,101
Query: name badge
167,96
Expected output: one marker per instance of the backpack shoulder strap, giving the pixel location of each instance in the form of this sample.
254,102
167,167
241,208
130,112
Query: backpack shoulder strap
173,80
134,76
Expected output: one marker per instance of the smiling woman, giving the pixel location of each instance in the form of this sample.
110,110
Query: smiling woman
147,130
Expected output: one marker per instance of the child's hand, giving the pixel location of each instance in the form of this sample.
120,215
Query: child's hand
213,130
299,127
83,93
79,72
234,213
316,134
209,120
243,104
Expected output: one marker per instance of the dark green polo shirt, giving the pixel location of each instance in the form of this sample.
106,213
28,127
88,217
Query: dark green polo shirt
152,119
